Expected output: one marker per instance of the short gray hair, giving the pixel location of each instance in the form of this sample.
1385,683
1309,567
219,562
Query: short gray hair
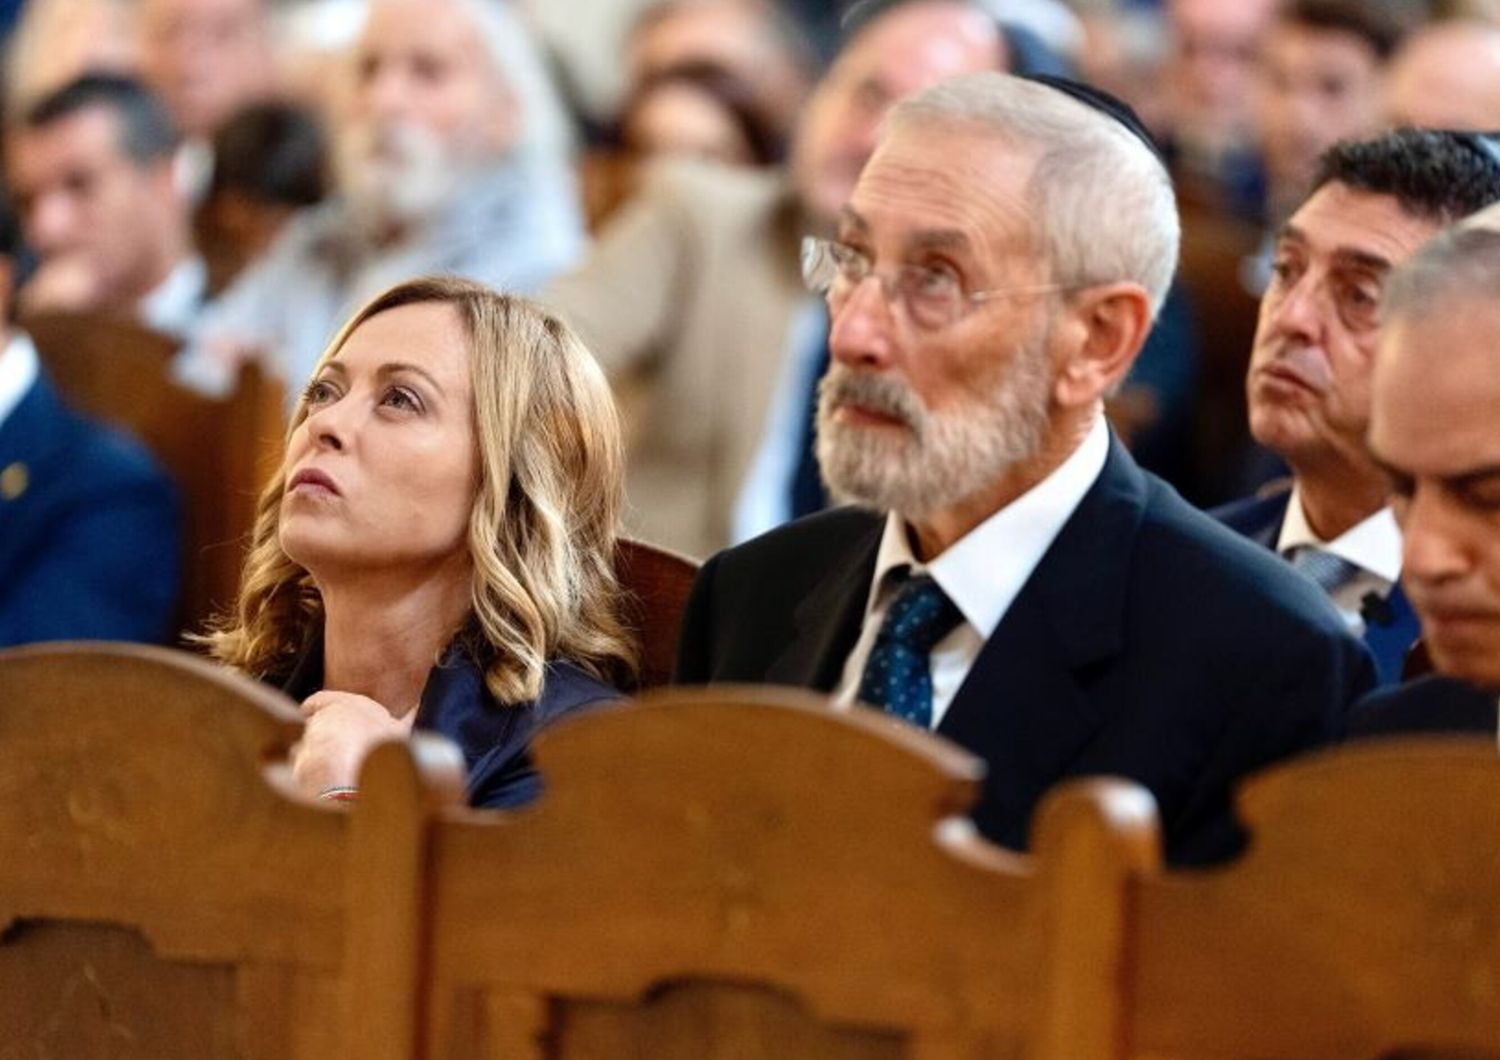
1102,201
1462,262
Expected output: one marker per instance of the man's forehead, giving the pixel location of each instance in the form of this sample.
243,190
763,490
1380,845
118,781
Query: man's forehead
92,130
945,182
1439,367
1340,220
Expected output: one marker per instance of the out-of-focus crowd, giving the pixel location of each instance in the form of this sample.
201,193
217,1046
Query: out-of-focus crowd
241,175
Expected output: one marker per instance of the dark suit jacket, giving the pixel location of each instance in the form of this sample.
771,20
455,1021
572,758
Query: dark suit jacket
1390,630
89,530
1428,705
1149,642
494,738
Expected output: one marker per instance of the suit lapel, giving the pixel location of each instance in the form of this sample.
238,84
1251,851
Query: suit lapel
1025,706
30,437
826,623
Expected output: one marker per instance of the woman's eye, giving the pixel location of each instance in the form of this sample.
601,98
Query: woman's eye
318,392
398,397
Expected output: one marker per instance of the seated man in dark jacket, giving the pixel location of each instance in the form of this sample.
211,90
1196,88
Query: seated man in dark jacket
1016,582
1435,430
89,545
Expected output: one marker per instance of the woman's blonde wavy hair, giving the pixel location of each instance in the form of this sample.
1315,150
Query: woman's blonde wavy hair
545,520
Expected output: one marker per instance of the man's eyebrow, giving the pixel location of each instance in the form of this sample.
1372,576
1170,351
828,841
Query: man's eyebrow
1289,231
1362,259
849,216
940,239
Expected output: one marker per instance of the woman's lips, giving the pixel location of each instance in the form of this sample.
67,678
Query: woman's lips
310,481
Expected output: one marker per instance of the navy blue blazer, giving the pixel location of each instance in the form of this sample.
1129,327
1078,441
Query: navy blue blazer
89,530
494,738
1391,628
1431,704
1149,643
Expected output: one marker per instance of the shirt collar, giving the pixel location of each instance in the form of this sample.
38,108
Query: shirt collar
18,371
984,570
1373,544
171,307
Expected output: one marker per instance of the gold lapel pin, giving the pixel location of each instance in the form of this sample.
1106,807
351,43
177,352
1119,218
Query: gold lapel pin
13,481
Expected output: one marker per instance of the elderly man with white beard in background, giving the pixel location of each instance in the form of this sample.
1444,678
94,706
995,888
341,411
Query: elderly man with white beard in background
451,157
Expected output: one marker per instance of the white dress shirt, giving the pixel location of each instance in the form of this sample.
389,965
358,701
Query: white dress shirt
1374,546
176,302
982,572
18,371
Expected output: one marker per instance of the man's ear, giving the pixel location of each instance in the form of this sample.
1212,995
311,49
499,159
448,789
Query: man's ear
1109,322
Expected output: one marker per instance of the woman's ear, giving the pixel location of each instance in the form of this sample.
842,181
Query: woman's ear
1111,321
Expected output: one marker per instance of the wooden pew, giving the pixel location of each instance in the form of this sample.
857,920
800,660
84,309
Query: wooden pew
1363,921
656,583
746,874
159,899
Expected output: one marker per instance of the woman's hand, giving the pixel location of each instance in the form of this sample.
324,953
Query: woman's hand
340,730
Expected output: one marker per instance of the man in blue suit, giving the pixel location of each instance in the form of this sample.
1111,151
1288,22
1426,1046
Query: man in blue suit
1435,434
1011,579
1374,203
89,537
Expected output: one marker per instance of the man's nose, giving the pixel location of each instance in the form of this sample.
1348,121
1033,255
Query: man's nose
861,328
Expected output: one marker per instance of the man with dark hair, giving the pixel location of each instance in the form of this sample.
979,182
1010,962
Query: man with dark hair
1435,434
1011,578
88,523
1322,68
1374,203
91,169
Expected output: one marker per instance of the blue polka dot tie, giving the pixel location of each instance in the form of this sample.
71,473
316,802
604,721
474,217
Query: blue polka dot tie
898,675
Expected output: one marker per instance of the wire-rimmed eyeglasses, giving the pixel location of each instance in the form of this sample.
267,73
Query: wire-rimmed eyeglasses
931,295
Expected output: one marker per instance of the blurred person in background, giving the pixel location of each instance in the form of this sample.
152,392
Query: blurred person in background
269,161
693,302
89,525
752,40
694,111
91,167
1447,76
450,156
1211,82
1322,79
56,41
206,59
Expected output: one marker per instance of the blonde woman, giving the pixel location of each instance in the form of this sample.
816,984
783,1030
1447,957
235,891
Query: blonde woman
436,550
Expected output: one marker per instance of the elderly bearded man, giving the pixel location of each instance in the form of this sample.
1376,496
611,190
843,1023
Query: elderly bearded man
1010,577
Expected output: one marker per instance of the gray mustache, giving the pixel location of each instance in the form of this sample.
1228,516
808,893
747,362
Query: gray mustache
878,393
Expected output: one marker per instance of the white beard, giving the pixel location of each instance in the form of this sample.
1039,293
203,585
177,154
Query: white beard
398,175
939,459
